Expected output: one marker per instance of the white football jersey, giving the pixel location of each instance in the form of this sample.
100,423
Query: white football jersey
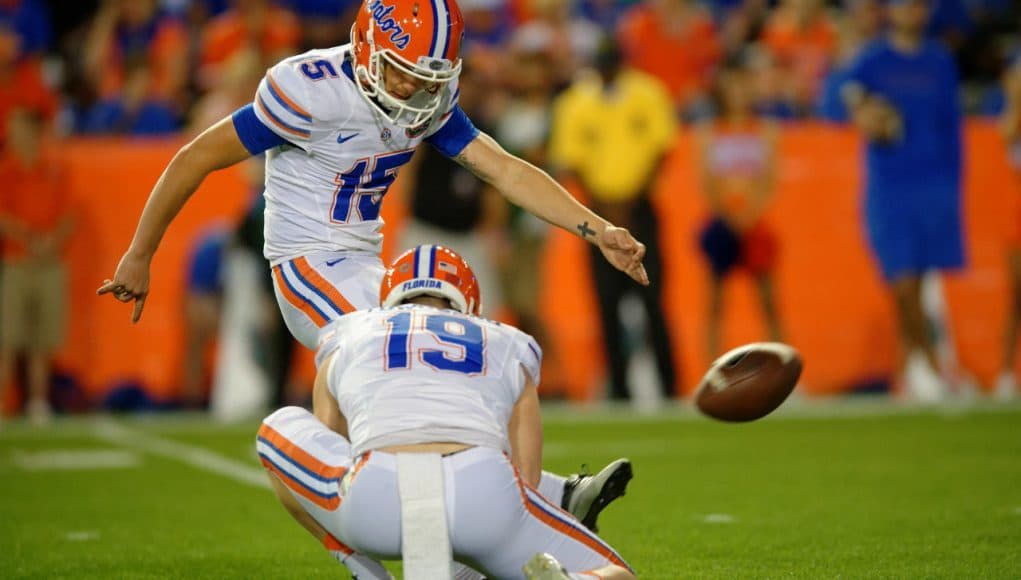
324,188
417,374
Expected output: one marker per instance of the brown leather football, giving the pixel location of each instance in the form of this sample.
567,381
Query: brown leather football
749,382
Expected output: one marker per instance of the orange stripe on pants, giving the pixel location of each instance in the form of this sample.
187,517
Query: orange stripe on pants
316,280
569,531
295,300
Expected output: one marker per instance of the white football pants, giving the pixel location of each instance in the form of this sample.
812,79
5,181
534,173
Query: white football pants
496,521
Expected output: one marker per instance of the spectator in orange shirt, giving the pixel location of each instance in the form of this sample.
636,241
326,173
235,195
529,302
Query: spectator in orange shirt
737,158
34,225
136,31
802,41
676,41
21,82
259,25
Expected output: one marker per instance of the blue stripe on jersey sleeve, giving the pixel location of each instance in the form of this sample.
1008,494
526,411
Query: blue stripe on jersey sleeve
455,135
255,136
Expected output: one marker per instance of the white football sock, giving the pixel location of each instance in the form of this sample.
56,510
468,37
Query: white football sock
551,486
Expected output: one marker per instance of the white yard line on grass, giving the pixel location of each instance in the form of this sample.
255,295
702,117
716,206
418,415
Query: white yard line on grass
75,459
82,536
718,519
197,457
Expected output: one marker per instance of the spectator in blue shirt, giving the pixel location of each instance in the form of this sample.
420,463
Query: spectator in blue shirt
902,93
132,111
862,24
31,22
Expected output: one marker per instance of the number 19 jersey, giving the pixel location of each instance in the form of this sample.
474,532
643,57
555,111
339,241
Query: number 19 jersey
417,374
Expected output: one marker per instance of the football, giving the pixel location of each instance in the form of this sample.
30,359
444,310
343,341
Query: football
749,382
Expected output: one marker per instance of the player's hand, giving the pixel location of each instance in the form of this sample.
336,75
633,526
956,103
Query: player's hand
130,283
881,121
625,253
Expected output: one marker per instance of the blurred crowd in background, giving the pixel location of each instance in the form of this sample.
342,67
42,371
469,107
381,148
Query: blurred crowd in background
158,67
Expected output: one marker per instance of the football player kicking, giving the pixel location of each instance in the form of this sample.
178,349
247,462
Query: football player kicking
425,374
336,125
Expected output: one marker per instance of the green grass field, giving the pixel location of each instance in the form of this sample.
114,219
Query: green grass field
851,491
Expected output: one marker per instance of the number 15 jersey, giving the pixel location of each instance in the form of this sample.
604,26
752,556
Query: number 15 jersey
331,157
417,374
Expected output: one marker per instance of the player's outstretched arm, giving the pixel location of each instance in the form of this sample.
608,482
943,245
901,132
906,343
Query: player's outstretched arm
525,433
534,190
216,148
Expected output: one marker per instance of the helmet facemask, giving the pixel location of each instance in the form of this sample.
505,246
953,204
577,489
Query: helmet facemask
419,107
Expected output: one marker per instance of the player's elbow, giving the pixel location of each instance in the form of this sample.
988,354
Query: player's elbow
189,163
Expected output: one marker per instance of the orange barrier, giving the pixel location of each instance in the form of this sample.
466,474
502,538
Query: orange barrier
832,303
111,180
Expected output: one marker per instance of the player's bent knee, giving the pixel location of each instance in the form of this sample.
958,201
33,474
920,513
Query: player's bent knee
269,433
282,416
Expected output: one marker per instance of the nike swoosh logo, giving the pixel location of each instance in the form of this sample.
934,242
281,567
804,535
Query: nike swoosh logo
341,138
334,262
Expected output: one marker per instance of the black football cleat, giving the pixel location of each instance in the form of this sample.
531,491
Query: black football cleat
586,495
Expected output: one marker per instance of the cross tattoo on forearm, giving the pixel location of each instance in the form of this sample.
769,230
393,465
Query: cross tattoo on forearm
585,230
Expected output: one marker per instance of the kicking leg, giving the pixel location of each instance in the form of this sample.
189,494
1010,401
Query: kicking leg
584,495
555,540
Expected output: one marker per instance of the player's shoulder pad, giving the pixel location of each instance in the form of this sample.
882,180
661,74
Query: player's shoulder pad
301,90
332,336
529,351
284,102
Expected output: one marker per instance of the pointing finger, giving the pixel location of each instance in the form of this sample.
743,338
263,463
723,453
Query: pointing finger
137,314
639,274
